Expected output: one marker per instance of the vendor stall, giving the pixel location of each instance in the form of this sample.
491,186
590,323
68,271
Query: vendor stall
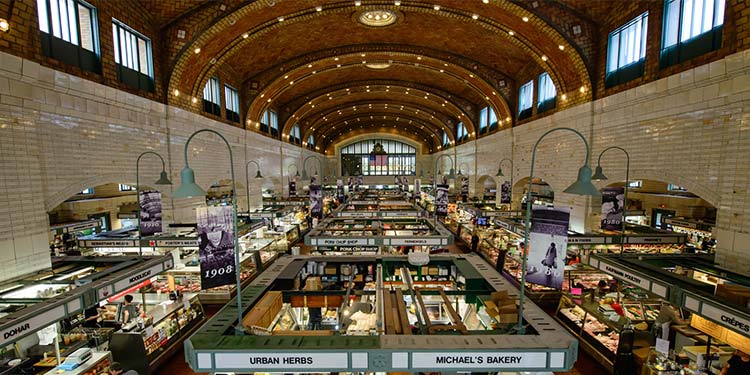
64,237
699,233
352,314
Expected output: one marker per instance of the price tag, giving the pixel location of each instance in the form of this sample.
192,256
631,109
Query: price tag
662,346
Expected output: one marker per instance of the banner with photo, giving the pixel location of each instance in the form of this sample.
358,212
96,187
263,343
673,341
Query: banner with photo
340,195
292,187
505,192
613,202
548,240
441,200
464,189
350,184
316,201
149,202
397,180
417,189
360,180
216,246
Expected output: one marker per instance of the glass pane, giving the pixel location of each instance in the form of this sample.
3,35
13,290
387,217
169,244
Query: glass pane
708,15
671,23
86,27
41,6
687,18
719,17
613,52
55,15
116,42
72,22
64,23
143,56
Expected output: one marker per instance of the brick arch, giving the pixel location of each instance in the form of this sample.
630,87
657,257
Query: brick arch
361,137
667,177
441,106
436,69
506,16
479,185
60,196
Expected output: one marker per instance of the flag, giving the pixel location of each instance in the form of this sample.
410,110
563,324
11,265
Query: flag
378,160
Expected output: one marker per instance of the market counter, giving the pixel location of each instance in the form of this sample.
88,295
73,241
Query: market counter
98,362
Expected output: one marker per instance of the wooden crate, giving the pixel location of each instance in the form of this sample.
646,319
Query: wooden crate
264,312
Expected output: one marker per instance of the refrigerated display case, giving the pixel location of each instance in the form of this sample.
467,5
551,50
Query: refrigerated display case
167,325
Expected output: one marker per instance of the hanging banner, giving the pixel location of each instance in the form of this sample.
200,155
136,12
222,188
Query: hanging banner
150,205
548,239
397,180
316,201
505,192
417,189
216,246
340,195
292,188
350,184
441,200
360,179
612,208
464,189
405,184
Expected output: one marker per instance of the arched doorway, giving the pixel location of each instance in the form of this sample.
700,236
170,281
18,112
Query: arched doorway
486,188
541,193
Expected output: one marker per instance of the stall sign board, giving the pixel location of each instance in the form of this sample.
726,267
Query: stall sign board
416,241
141,276
655,239
400,213
342,241
260,215
263,361
625,275
80,227
355,214
107,243
681,223
586,240
475,360
177,243
283,203
726,318
23,328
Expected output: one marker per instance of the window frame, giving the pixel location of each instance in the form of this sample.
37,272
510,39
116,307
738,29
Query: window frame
134,78
401,158
526,112
70,52
694,46
209,105
231,95
633,70
545,104
87,191
125,188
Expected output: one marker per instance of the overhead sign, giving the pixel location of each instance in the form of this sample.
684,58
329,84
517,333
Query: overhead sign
625,275
354,214
342,241
260,215
656,239
25,327
191,242
262,361
416,241
726,318
134,278
586,240
474,360
107,243
681,223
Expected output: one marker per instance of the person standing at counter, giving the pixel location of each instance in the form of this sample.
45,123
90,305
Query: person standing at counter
738,364
667,316
129,309
474,242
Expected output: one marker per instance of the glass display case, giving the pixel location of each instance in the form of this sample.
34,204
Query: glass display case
169,323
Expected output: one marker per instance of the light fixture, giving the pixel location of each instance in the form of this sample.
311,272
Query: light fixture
188,188
377,18
544,58
281,19
475,16
245,35
4,25
511,33
195,100
318,8
197,50
582,89
599,174
357,3
564,96
397,3
485,1
561,47
525,19
436,7
309,65
176,92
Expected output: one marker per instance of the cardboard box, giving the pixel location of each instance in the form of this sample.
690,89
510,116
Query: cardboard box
313,283
491,308
499,296
507,318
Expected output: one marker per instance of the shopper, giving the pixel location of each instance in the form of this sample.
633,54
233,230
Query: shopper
667,316
116,369
738,364
474,242
92,316
129,310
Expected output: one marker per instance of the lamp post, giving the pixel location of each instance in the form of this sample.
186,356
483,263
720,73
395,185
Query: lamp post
163,180
582,186
304,166
188,188
258,176
500,174
599,176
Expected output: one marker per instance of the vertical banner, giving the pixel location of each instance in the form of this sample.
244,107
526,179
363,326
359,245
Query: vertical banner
340,191
464,189
216,245
612,208
548,240
404,184
316,201
505,193
350,183
149,202
417,189
360,179
397,180
441,200
292,187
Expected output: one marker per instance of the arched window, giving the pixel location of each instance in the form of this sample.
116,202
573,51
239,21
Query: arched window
378,157
294,136
462,134
311,142
446,140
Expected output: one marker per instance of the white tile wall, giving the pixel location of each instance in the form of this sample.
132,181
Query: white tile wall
60,134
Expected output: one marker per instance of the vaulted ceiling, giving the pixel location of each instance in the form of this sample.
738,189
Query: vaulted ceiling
319,65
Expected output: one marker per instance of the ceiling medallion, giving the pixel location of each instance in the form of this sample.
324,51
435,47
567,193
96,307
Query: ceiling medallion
378,66
377,18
